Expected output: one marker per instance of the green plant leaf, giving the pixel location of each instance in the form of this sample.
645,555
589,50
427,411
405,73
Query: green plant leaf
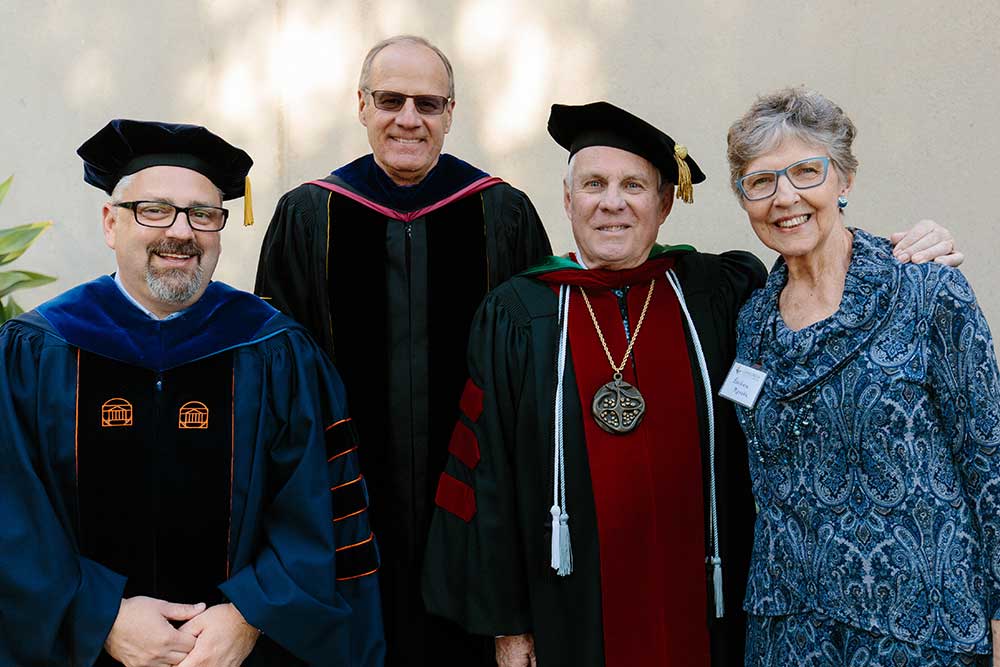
15,280
14,308
4,187
15,240
9,310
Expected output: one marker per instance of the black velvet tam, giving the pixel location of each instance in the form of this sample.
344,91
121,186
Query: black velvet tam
124,147
603,124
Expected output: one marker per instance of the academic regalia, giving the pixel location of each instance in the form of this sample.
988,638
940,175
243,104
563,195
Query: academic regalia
638,593
387,278
113,425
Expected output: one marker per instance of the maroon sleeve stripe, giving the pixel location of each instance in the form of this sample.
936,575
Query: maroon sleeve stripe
464,446
472,400
456,497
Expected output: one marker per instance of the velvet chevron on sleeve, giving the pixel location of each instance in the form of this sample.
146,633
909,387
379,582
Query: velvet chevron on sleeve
488,562
475,557
291,588
115,425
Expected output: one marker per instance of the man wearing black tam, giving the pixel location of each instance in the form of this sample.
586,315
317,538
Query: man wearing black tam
385,261
170,445
596,507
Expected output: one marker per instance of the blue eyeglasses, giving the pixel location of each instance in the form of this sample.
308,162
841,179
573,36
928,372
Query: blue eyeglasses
804,174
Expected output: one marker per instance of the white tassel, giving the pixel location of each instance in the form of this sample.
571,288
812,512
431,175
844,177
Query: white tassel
714,559
566,550
561,556
717,585
556,534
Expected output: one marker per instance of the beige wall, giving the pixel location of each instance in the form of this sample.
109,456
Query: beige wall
278,77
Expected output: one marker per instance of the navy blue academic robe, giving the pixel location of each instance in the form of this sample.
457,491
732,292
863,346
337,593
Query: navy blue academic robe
310,589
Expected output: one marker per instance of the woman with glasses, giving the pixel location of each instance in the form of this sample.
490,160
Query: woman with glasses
874,441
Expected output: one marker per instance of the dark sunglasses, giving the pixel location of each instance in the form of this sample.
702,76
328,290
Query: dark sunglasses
426,105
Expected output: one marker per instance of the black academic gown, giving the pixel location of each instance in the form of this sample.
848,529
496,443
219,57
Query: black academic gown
387,279
490,572
82,529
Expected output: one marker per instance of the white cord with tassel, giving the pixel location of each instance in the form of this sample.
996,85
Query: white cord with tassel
715,560
562,551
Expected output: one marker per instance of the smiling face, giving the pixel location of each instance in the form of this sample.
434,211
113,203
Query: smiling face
797,223
406,144
613,203
164,269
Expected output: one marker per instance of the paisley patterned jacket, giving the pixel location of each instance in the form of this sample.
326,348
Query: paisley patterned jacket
875,455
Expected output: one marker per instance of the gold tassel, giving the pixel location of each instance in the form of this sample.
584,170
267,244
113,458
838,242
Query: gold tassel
685,190
247,205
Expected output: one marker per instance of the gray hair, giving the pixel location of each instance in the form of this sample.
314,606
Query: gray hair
120,187
173,286
366,66
791,112
126,180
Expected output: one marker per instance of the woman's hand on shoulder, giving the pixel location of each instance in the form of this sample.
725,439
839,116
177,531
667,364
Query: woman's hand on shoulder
926,241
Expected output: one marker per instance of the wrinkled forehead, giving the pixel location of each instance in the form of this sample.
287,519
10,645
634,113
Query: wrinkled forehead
611,163
781,136
783,147
409,68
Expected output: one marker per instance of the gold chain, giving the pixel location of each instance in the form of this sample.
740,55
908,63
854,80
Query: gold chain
635,334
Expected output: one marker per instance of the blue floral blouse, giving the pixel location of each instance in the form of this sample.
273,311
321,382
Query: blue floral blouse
874,455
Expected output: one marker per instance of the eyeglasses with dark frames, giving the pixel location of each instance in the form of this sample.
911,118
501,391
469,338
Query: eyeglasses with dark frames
162,214
804,174
426,105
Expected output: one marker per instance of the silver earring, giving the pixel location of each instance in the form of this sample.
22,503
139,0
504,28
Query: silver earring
841,202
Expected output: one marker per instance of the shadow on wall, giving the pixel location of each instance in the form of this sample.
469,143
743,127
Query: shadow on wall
280,78
510,59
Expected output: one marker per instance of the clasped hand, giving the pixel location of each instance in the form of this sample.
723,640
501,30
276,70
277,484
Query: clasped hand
516,651
143,635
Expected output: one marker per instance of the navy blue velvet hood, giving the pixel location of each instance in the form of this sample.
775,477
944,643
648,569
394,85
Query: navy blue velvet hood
98,318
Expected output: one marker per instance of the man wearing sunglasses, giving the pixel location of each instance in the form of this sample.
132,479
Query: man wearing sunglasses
169,447
385,262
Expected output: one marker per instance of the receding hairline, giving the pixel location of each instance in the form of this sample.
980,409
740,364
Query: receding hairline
120,186
125,181
368,63
662,184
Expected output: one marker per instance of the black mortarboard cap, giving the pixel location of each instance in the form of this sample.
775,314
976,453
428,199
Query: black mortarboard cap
603,124
125,146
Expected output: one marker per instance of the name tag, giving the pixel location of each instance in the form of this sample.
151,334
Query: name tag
743,384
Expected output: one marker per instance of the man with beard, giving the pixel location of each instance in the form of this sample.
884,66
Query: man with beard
385,262
174,451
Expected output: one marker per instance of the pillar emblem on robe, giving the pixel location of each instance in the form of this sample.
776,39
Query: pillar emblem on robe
193,414
116,412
